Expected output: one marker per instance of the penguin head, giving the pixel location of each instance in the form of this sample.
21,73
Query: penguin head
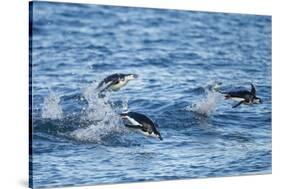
129,77
257,100
156,134
159,136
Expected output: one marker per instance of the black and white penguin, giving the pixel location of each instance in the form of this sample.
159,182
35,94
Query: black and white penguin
115,81
141,123
243,96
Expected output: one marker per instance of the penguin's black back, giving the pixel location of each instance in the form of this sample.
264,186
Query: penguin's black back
140,118
239,94
113,77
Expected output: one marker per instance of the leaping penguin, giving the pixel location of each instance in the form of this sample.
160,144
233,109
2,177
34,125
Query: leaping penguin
141,123
115,81
243,96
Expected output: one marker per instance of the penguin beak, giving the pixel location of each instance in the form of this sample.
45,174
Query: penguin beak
131,76
160,138
258,100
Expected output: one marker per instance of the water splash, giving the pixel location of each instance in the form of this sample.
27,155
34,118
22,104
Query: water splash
98,131
208,104
102,116
125,107
98,121
98,108
51,108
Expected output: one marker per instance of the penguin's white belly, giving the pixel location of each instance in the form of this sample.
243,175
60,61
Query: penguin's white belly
147,134
118,85
134,122
237,98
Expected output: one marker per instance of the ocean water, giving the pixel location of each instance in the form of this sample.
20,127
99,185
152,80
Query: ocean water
79,139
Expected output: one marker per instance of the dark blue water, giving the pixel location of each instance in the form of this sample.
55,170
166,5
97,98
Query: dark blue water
78,139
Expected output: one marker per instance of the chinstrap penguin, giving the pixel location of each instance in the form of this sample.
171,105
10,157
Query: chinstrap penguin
141,123
114,82
243,96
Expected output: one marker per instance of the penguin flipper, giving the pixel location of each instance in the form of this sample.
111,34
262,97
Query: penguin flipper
238,104
100,84
107,87
108,80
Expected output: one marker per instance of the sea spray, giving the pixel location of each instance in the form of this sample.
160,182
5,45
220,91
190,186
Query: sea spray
96,132
51,108
100,113
97,107
208,104
125,107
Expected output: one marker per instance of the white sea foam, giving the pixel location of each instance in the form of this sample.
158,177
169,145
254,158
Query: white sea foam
100,115
51,108
208,104
96,132
110,124
100,111
97,107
